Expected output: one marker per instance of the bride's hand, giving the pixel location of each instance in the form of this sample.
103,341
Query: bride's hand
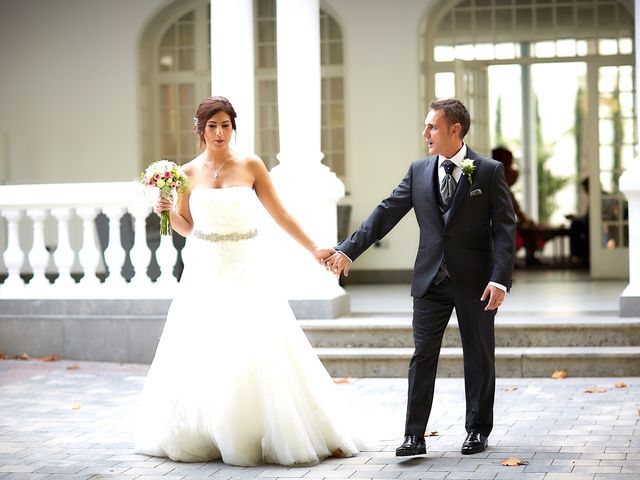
163,204
321,254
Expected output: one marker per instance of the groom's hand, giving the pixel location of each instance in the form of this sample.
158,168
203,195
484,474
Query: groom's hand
495,296
338,263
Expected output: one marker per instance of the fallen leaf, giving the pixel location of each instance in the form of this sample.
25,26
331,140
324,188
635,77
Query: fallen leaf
337,452
50,358
594,390
73,367
431,434
76,406
620,385
23,356
340,380
509,389
559,374
3,356
513,462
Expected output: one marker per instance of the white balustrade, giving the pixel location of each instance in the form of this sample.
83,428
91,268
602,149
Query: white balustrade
38,255
89,254
166,256
78,252
64,254
140,253
115,255
13,255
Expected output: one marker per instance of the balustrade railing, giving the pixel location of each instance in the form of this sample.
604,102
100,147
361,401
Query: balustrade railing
87,240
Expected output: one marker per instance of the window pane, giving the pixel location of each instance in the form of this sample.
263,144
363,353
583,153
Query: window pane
186,95
166,60
169,144
186,59
169,38
266,31
186,36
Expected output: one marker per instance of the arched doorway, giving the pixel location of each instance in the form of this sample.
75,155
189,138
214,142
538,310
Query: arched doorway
464,41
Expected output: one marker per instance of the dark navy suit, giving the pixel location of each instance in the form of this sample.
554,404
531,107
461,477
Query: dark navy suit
477,242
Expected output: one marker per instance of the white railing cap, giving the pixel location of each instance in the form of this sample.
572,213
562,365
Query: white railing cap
51,195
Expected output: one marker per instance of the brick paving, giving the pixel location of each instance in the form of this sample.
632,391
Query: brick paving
61,423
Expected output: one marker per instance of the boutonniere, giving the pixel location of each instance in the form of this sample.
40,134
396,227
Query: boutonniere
468,168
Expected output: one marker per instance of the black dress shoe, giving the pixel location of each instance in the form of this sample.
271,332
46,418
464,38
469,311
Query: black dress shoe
474,443
412,445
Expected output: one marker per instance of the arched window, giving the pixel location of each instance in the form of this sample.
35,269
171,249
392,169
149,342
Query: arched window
175,75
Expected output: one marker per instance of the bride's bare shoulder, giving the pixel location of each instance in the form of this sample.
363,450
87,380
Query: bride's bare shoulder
252,161
191,167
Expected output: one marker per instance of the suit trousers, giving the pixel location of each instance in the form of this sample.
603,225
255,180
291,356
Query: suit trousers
431,314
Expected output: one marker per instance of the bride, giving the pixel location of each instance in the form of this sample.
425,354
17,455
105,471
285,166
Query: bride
234,377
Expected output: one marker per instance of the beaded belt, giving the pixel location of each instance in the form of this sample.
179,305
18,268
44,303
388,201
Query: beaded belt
225,237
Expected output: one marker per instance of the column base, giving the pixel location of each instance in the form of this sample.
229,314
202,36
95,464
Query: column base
321,308
630,306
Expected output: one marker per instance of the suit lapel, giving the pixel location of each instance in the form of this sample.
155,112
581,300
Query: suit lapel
430,175
463,185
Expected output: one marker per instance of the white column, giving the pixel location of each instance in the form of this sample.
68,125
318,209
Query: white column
630,186
89,255
309,190
63,256
232,65
38,255
115,254
13,255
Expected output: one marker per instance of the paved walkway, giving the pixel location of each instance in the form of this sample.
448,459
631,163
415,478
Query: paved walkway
61,423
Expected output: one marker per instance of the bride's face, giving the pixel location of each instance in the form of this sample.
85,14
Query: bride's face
218,131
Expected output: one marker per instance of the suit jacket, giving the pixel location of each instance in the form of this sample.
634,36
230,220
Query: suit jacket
478,239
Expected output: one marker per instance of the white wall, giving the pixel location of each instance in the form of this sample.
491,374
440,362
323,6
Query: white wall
69,97
384,116
68,88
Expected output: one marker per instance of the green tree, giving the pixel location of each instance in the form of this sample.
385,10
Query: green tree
548,184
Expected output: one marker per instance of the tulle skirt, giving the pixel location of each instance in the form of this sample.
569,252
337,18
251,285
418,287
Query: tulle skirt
234,377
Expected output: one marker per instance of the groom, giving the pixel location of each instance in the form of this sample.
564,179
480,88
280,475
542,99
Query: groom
465,260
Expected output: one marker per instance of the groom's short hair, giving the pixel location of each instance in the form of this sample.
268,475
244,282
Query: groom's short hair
455,112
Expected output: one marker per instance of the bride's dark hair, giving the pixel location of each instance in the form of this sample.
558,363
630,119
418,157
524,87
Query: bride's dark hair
207,109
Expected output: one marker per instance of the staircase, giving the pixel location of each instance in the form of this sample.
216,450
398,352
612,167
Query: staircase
526,346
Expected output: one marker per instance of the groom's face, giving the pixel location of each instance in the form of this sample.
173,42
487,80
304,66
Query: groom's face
441,137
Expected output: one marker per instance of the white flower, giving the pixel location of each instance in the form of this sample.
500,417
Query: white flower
468,168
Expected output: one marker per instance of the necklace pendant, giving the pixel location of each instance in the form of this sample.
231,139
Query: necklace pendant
215,175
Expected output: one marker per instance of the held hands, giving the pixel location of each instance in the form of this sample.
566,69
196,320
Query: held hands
321,253
337,263
495,295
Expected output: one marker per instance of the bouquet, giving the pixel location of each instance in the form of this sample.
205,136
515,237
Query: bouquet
167,176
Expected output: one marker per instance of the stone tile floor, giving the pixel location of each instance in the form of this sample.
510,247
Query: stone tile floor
60,423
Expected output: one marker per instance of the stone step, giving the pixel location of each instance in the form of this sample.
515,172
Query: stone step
512,331
510,362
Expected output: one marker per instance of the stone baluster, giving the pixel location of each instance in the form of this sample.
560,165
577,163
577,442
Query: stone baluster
140,253
89,254
64,255
13,255
115,254
38,255
166,256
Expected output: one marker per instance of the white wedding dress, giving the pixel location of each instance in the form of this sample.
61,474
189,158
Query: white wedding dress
234,376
